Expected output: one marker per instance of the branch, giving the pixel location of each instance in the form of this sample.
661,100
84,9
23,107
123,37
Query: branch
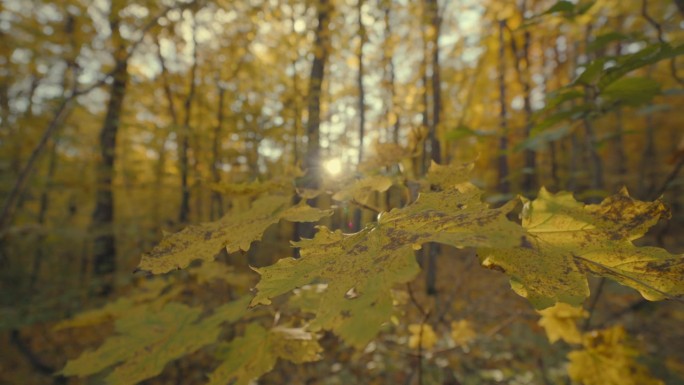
661,38
35,361
365,206
10,205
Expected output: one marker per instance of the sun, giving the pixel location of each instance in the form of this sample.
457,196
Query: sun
333,166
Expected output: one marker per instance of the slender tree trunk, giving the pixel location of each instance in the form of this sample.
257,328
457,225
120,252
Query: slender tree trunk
42,215
312,159
389,74
359,80
321,47
575,162
104,246
435,147
362,101
297,114
184,145
620,155
159,173
19,187
680,6
522,56
590,132
504,184
216,197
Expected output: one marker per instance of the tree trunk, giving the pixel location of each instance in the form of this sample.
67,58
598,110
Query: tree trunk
434,22
504,184
312,159
522,57
590,132
389,74
19,187
104,246
356,226
216,197
42,215
184,137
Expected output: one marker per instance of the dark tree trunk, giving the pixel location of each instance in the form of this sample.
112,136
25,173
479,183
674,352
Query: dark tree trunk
502,160
362,102
104,245
216,197
522,56
184,146
434,20
312,159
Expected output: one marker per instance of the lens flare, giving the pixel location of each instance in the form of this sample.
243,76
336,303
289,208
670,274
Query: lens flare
333,166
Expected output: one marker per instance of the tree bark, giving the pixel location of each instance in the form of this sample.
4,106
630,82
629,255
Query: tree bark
529,177
104,243
104,246
19,187
502,160
216,197
312,159
435,23
356,225
184,134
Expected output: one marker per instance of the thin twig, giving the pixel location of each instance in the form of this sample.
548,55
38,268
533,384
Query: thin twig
365,206
661,38
670,177
426,315
594,301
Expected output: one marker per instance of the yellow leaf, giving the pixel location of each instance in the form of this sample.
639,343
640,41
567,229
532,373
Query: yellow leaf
421,335
381,255
559,322
565,239
462,332
257,351
367,262
448,175
235,231
362,190
147,340
607,360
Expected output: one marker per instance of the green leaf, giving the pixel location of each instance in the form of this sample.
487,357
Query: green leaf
149,291
563,6
257,351
539,141
632,91
566,239
562,96
465,132
235,231
146,340
456,216
592,73
601,41
651,54
360,269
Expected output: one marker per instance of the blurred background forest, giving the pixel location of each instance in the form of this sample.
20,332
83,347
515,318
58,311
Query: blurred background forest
120,120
